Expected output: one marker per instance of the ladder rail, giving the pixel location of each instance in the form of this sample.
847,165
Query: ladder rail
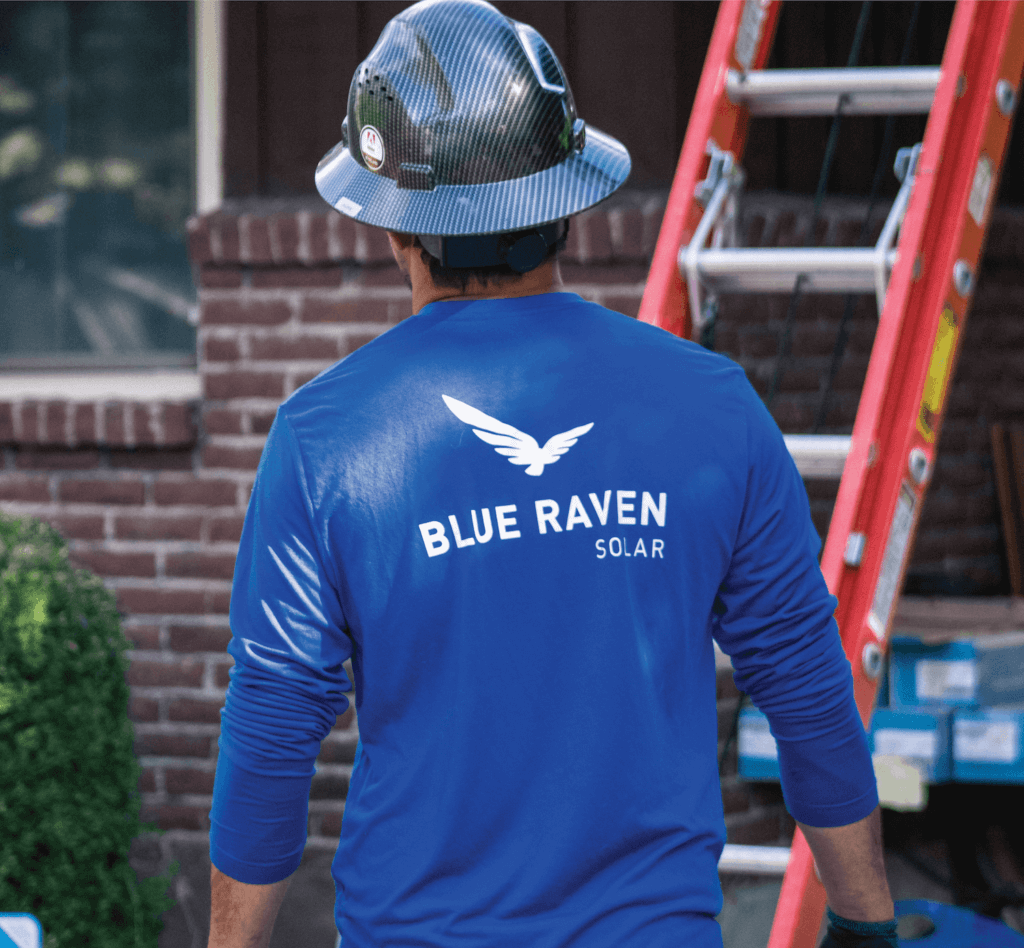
893,447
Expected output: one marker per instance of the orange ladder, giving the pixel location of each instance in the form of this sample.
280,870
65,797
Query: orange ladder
922,271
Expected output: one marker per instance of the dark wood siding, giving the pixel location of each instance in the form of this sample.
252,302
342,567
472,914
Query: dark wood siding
633,65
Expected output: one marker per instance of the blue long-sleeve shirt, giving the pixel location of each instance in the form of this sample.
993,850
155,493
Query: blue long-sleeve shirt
525,520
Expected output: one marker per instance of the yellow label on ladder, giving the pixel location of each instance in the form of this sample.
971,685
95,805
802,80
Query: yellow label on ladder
938,375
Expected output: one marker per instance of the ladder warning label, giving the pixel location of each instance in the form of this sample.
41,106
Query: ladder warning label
892,562
938,375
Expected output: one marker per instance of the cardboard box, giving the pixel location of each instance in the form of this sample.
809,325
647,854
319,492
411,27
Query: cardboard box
988,745
758,752
967,672
920,736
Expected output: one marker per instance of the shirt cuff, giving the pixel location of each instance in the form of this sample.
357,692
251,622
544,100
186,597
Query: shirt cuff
257,823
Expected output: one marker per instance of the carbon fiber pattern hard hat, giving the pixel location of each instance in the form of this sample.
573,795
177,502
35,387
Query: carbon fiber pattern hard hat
461,121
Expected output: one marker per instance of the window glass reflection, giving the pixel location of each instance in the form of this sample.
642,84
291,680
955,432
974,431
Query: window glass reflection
96,183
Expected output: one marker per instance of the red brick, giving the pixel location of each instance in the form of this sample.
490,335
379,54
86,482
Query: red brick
629,245
224,231
630,305
148,527
143,709
143,636
238,459
273,277
357,340
172,745
115,423
147,780
319,247
316,310
285,228
208,492
199,638
149,601
236,312
300,347
30,489
199,252
330,824
344,231
217,602
176,817
630,274
184,673
42,459
652,227
337,752
572,243
372,245
6,422
77,528
147,459
225,529
260,422
328,787
598,237
188,780
200,565
222,675
101,491
56,416
237,384
220,278
195,711
735,798
381,275
216,349
222,421
107,563
31,412
255,228
84,424
179,424
345,720
301,378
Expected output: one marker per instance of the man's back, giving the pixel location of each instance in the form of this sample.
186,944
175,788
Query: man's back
530,630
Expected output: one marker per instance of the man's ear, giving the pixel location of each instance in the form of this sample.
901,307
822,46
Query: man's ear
403,241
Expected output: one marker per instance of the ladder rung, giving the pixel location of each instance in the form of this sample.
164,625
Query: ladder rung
754,860
868,90
819,456
774,270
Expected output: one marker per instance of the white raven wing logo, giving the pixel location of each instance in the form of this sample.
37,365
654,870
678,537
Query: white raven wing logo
519,447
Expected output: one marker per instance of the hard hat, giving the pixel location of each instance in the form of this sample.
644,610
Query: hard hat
461,122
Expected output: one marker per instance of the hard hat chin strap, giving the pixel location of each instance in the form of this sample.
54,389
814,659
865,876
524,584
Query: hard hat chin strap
522,250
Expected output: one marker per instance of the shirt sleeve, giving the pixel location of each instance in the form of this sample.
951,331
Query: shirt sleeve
774,618
287,685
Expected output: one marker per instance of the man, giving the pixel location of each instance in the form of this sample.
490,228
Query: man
524,518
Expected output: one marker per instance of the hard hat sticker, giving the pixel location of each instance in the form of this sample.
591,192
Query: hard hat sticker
371,147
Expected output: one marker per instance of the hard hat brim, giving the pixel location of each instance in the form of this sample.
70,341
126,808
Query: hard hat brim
581,181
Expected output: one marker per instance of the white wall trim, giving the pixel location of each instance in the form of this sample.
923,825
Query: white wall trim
210,22
124,386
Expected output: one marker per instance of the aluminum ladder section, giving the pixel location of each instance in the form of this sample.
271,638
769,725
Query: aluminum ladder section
924,292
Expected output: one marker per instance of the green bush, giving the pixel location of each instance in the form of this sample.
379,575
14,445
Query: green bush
69,804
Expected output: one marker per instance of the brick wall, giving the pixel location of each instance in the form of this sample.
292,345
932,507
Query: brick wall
151,495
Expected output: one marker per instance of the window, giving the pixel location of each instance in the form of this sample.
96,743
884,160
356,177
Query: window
96,184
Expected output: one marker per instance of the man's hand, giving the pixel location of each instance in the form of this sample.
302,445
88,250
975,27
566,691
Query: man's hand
242,915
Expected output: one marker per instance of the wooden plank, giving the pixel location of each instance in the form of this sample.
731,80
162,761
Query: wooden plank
1004,488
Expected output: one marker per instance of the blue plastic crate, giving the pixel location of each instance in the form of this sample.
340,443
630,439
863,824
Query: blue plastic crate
957,927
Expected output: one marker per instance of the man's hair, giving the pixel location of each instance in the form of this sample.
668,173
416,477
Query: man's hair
458,278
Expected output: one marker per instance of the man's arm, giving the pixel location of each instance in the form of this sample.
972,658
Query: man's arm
852,868
242,915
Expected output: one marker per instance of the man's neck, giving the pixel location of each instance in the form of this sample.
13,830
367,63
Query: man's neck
545,279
